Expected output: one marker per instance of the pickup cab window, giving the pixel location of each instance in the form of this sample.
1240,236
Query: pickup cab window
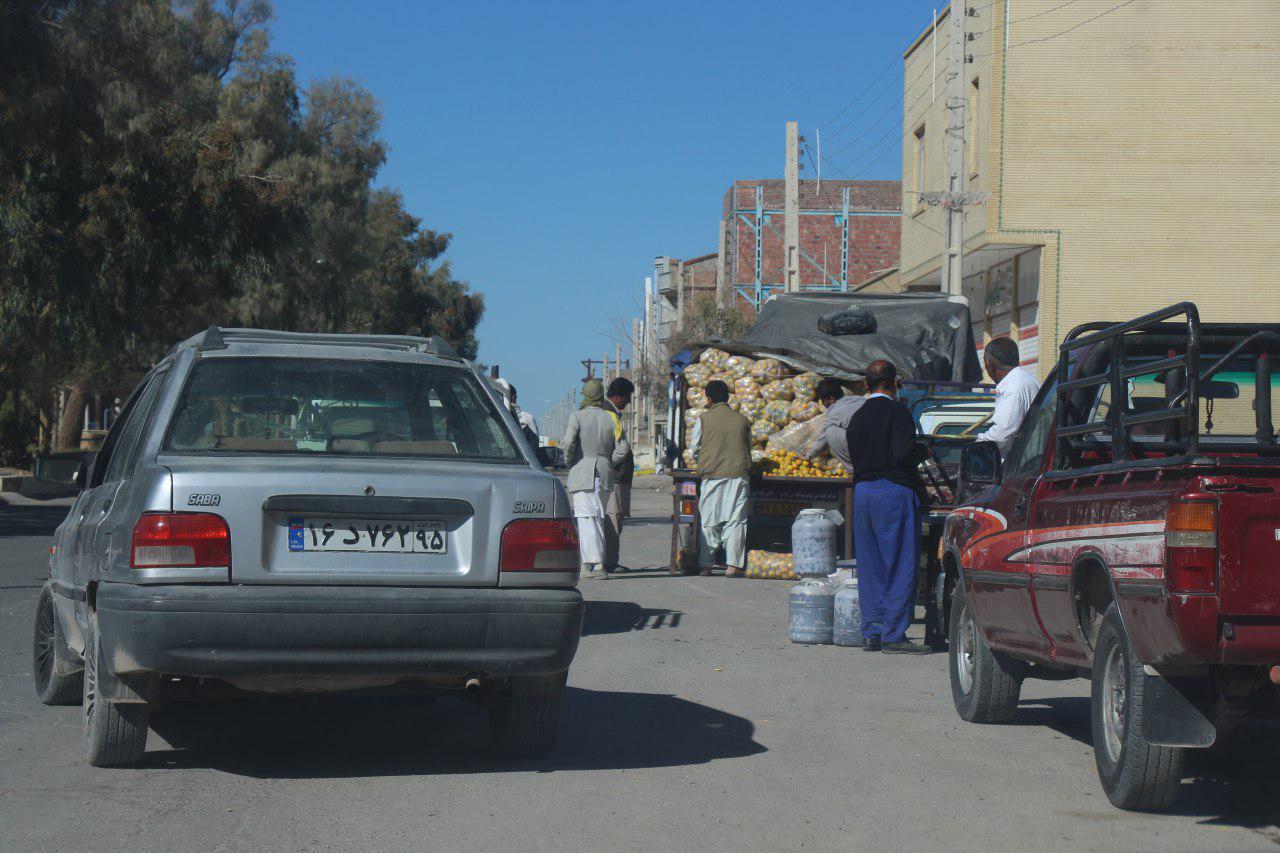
1027,454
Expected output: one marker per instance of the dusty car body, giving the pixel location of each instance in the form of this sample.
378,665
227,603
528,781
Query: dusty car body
1130,536
289,512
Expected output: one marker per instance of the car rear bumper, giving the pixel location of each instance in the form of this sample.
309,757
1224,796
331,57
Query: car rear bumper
246,631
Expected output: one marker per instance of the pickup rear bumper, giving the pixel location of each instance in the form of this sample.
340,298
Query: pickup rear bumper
247,631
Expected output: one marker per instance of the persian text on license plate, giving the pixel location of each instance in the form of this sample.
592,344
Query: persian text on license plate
368,534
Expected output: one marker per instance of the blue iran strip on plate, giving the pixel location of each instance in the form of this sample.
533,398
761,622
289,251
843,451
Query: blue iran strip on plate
368,534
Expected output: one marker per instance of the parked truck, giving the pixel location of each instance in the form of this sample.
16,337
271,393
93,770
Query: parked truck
1131,536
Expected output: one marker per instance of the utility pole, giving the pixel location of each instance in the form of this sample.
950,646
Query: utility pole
722,282
954,199
953,268
792,209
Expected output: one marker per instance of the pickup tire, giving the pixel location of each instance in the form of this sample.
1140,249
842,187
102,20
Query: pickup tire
56,669
115,733
524,720
1134,773
985,684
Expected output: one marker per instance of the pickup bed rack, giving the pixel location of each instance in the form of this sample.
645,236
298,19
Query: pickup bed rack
1173,328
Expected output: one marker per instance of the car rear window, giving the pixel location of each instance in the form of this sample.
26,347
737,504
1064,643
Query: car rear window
340,407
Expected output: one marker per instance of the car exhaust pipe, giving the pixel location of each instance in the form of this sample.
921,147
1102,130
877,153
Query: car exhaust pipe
473,686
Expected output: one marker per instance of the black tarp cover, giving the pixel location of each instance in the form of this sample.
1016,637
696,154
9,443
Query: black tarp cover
926,335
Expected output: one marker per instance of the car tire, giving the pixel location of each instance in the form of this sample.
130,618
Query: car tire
1135,774
985,684
115,733
57,671
524,720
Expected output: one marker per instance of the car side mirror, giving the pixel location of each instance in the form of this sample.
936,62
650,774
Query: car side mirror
547,456
980,464
64,469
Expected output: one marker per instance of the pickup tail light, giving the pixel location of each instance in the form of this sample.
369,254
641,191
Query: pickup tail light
539,545
180,540
1191,542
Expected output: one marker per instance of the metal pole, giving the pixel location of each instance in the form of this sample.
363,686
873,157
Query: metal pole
792,209
953,269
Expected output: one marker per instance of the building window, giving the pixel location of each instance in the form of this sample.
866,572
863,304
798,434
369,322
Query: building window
917,172
972,124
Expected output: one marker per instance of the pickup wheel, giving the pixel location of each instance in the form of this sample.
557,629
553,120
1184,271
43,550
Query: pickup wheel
984,684
56,669
524,720
115,734
1135,774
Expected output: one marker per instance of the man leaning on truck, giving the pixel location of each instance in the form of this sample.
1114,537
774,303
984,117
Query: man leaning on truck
1016,390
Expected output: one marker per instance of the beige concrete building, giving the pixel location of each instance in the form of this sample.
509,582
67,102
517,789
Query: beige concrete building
1131,157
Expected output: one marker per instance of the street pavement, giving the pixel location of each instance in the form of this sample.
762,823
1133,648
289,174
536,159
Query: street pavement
690,722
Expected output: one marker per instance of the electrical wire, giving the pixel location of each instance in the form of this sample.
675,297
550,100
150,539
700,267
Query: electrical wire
1076,27
892,62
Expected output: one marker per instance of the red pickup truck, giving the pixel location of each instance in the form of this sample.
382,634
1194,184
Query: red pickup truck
1131,536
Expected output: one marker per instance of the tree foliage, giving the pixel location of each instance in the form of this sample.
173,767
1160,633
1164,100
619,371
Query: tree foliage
161,170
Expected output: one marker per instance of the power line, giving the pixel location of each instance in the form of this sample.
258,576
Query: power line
1076,27
892,63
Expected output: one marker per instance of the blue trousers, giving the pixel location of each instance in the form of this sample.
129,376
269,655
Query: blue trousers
886,542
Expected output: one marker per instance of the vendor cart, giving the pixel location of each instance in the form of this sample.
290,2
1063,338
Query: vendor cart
774,504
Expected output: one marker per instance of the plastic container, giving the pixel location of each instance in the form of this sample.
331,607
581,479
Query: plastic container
847,627
813,542
811,612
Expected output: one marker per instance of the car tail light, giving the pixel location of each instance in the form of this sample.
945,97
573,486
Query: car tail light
688,507
539,545
1191,540
181,540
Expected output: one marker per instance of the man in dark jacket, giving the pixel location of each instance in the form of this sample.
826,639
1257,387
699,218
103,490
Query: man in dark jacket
886,526
617,398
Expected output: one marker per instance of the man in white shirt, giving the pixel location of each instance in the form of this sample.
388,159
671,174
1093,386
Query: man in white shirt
1016,389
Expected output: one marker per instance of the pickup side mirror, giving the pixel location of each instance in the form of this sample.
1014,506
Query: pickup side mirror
64,469
549,457
980,464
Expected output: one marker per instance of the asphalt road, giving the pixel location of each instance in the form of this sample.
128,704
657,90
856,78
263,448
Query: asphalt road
690,722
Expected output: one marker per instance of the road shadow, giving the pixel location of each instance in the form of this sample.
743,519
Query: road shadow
28,520
647,519
1066,715
618,617
1233,783
336,737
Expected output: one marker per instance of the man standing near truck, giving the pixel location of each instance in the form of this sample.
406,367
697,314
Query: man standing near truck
886,526
722,445
1016,390
835,424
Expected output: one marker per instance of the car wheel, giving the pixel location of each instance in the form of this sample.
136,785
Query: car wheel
984,684
1134,773
115,733
524,721
57,671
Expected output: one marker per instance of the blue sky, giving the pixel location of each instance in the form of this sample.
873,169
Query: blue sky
565,144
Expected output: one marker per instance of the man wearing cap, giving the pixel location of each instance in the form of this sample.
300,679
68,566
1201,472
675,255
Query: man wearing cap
722,445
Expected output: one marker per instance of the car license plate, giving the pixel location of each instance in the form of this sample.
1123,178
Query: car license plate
368,534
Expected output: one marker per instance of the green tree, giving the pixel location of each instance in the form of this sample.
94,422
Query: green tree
160,171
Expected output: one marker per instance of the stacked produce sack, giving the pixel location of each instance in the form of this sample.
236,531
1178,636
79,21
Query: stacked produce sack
781,406
768,564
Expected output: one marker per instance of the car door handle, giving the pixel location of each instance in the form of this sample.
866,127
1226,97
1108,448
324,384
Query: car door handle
1021,505
106,507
